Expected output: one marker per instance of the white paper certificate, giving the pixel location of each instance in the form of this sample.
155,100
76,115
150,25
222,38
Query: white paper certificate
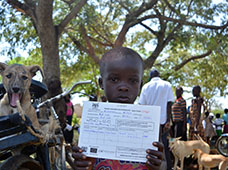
118,131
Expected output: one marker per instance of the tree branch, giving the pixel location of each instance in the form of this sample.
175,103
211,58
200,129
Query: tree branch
69,2
149,29
180,21
124,6
90,49
148,63
172,34
78,44
23,8
108,13
189,7
71,15
27,8
130,20
101,43
184,22
103,37
176,68
171,7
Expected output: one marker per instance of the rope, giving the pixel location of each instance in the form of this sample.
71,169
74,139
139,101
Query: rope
22,114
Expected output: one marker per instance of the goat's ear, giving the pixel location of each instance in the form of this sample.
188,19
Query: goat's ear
178,138
2,67
33,69
169,137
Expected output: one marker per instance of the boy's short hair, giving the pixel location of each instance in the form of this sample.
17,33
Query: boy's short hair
119,52
197,87
217,115
181,89
154,73
207,113
226,110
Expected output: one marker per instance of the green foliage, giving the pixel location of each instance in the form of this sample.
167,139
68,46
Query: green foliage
102,21
75,120
215,111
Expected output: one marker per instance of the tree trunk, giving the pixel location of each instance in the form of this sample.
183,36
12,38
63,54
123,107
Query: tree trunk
48,35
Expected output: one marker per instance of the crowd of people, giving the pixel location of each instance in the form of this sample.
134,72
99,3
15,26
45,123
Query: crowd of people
121,71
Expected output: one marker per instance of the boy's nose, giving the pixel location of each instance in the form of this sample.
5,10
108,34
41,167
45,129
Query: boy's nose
123,88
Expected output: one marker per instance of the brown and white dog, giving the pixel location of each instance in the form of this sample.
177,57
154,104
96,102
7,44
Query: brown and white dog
210,160
182,149
16,80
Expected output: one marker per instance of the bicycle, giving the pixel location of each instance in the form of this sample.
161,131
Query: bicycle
222,144
14,135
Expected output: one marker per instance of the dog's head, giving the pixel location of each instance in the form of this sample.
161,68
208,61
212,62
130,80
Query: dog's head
195,153
16,80
173,141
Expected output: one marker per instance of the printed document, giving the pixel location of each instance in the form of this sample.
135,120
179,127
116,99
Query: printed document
118,131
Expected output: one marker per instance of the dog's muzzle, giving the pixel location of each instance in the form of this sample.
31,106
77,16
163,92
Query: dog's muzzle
13,97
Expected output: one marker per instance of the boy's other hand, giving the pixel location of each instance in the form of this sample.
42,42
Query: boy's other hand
80,162
155,159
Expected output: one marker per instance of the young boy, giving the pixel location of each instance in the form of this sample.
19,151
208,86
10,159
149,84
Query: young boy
218,124
179,115
121,72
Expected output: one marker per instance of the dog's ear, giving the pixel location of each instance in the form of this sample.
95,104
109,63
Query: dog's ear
2,67
33,69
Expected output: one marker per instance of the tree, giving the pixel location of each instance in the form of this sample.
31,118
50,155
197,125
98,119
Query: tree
185,30
41,15
171,35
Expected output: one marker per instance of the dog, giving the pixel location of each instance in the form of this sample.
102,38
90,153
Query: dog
210,160
16,79
182,149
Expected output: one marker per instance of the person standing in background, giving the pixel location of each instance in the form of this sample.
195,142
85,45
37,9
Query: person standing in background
218,124
68,130
225,118
195,116
70,109
208,126
159,92
179,115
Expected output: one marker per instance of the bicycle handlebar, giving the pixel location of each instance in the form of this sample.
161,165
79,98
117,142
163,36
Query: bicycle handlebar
48,101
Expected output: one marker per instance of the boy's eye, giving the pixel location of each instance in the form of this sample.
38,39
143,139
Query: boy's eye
114,79
134,80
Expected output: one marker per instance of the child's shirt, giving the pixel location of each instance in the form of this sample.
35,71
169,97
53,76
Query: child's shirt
69,111
218,123
177,110
107,164
225,118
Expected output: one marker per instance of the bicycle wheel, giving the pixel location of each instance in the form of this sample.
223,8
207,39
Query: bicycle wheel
222,145
20,162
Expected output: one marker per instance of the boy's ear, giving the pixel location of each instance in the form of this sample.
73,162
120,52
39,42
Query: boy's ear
101,83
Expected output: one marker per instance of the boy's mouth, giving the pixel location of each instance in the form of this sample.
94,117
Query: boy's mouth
123,99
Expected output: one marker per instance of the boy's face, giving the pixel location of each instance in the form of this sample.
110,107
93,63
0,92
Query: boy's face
178,92
195,92
122,80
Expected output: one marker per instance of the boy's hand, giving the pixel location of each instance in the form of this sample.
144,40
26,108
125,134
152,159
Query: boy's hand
155,158
80,162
